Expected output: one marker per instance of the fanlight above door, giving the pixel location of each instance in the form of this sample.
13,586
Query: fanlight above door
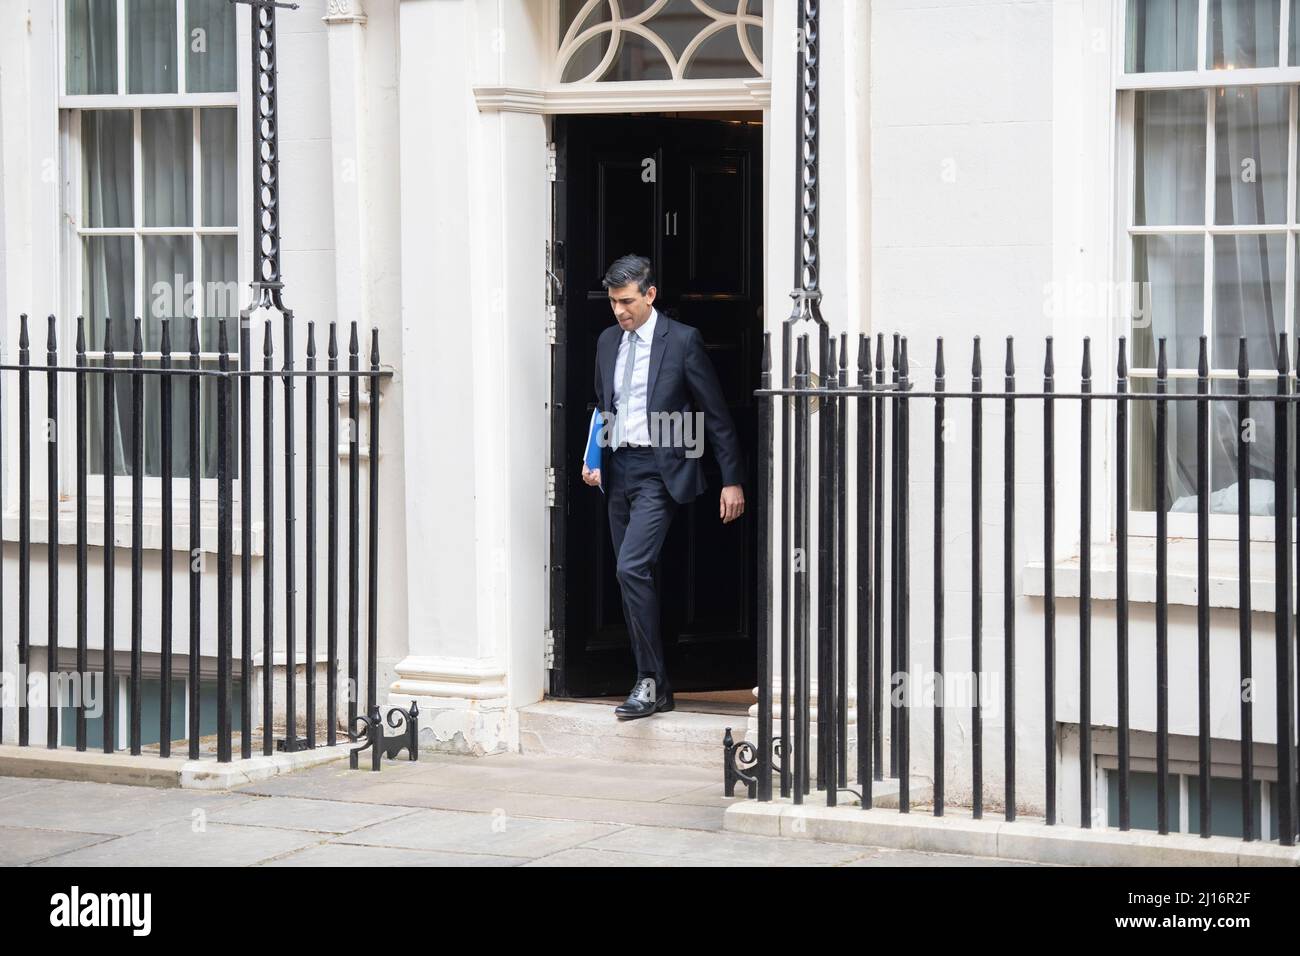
621,40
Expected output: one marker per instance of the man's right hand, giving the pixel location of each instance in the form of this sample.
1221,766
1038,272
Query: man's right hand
590,477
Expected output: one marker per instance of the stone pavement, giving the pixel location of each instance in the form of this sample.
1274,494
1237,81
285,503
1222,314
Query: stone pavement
443,810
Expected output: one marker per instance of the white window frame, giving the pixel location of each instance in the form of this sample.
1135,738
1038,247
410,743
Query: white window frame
70,110
1222,526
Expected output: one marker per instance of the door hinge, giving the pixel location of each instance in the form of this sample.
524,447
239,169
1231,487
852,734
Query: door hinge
552,336
550,487
550,162
548,654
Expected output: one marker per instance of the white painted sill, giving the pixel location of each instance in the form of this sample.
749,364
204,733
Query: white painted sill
1224,577
151,527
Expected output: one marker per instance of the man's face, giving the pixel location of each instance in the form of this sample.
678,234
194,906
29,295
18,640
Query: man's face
631,306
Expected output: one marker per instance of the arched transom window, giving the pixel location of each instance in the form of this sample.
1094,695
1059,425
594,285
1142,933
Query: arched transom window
619,40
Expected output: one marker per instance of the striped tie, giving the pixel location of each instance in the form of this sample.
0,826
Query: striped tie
625,395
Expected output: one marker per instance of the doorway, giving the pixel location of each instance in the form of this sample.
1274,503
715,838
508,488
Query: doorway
687,192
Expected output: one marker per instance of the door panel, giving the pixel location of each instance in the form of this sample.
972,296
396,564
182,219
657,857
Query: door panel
696,211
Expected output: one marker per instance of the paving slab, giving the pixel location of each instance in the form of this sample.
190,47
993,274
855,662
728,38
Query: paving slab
18,847
107,808
885,857
342,854
14,786
725,847
537,780
316,816
498,833
546,806
586,856
178,844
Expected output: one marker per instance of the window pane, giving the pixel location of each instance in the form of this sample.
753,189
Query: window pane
1243,33
108,288
1249,298
1160,35
637,59
1169,272
168,287
151,46
210,46
588,56
1259,433
97,385
91,50
208,423
220,290
1169,151
151,422
1142,799
1225,806
1294,55
218,144
721,56
167,149
107,182
1180,447
1250,147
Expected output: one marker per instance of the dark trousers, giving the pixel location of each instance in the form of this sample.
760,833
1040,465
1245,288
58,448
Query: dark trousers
640,513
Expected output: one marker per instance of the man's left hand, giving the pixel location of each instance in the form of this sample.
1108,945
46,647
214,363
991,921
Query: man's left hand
732,504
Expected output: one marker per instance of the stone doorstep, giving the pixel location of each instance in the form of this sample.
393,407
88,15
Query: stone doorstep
152,771
565,728
1025,840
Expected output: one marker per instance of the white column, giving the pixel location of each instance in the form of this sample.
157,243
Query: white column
475,368
346,21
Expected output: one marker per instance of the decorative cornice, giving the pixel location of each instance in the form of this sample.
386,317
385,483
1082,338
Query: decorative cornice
632,97
344,11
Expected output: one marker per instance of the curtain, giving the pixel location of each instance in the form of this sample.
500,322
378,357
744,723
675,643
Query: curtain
91,27
1248,275
1160,35
167,265
1243,33
210,46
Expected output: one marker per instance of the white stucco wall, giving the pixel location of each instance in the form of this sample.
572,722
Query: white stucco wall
317,181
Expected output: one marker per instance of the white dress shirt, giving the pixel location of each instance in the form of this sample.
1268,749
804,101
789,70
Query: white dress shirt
633,408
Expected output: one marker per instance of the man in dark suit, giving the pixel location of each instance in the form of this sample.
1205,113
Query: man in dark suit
657,389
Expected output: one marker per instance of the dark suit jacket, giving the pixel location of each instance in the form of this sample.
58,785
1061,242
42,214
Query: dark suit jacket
681,379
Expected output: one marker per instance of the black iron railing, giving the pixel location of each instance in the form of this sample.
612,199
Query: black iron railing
187,372
882,506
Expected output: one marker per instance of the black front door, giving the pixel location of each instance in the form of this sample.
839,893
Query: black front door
686,193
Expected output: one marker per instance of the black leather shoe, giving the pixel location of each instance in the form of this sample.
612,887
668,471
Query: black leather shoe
643,701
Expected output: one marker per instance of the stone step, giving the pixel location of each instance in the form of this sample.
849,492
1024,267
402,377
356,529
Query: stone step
564,728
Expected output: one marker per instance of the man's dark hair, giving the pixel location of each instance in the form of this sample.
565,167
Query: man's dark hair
630,268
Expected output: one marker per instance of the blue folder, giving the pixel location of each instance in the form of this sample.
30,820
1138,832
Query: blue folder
594,446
